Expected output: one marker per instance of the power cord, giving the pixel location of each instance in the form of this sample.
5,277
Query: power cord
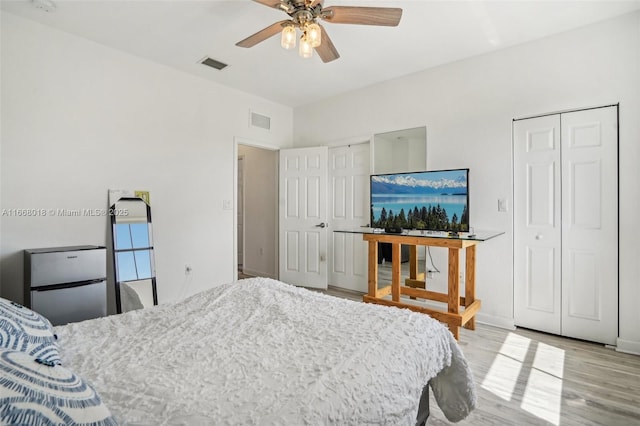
435,269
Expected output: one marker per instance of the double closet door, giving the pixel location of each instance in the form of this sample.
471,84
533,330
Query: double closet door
566,224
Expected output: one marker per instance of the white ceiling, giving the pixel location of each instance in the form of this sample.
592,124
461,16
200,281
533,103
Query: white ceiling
179,33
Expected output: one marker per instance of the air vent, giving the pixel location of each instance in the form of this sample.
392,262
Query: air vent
46,5
262,121
213,63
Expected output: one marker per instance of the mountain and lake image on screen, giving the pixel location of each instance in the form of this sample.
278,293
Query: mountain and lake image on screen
432,200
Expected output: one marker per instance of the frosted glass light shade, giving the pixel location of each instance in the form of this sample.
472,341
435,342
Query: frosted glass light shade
306,50
314,34
288,40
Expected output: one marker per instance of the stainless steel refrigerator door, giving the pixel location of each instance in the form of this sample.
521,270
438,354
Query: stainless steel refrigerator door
71,304
58,267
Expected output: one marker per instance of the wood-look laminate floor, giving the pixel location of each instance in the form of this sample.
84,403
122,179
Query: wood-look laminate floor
524,377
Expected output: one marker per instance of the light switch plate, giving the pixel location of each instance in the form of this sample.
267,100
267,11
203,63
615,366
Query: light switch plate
503,205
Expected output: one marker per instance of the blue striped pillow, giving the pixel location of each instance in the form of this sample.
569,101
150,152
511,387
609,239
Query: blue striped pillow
22,329
38,392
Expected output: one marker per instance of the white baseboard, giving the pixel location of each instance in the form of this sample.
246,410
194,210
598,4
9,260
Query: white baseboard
349,287
258,273
628,346
501,322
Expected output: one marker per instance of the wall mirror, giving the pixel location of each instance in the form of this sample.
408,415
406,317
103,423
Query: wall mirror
397,152
400,151
133,257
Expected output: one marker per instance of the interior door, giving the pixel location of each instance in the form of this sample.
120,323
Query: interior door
303,216
566,224
348,209
537,226
590,224
240,210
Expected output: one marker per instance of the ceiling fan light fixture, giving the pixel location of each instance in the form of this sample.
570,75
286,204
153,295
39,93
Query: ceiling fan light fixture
314,34
288,40
306,50
305,15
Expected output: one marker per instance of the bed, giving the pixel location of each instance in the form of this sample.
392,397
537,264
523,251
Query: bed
261,352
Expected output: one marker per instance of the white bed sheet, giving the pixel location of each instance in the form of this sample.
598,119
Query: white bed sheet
261,352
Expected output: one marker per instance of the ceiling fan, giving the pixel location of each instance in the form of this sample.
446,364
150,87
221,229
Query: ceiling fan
305,15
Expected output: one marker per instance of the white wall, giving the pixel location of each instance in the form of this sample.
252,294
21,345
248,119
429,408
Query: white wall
468,107
79,118
260,211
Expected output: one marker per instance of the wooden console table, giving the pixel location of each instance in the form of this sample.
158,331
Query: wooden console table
461,310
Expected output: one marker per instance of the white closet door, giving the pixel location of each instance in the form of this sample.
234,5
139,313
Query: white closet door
566,224
349,208
590,225
537,230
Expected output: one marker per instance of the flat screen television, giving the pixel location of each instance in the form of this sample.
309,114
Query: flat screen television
435,200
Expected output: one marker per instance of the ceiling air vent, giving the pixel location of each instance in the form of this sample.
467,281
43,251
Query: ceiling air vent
262,121
46,5
213,63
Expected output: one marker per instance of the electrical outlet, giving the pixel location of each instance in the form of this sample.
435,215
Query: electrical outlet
430,274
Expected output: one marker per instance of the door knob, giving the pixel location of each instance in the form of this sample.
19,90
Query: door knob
321,225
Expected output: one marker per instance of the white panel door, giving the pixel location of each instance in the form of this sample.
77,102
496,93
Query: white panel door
303,217
590,225
566,224
349,208
537,226
240,211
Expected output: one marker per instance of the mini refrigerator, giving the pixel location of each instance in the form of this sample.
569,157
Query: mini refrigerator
66,284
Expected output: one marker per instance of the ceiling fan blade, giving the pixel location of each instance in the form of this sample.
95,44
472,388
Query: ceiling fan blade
386,16
327,51
276,4
262,35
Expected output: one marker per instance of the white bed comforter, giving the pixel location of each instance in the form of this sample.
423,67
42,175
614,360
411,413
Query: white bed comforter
260,352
